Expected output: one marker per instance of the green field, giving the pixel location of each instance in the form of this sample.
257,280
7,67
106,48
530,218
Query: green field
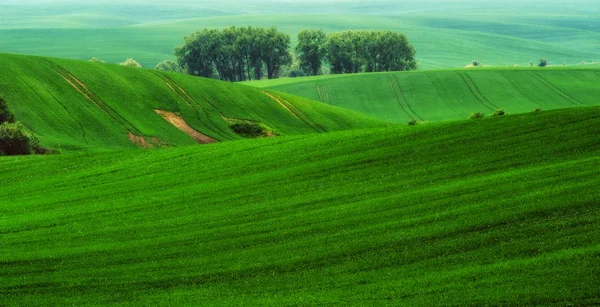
445,33
81,105
156,189
448,94
483,212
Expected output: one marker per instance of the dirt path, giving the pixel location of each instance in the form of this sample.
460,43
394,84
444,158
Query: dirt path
180,124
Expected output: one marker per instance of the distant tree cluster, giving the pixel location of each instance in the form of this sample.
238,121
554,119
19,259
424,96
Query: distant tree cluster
240,54
235,54
369,51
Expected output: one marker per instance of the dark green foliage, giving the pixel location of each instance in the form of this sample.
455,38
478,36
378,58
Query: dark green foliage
543,62
499,112
235,54
412,122
475,63
369,51
5,115
168,66
15,140
537,110
476,115
248,130
311,50
296,73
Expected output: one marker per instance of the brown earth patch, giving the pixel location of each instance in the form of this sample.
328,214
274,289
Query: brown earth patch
180,124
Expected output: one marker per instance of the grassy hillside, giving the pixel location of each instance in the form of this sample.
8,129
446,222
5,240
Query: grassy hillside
494,211
445,38
449,94
77,104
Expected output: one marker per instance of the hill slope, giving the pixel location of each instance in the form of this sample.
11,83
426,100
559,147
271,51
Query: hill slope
448,94
75,104
493,211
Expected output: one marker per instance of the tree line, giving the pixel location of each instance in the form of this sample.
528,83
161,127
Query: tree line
247,53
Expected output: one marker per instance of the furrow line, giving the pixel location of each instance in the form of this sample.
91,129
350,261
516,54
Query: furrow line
406,101
398,98
473,92
556,89
479,91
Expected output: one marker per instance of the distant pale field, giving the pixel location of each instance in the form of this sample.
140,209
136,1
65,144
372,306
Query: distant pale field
495,36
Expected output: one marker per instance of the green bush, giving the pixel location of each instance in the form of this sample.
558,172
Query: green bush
249,130
499,112
412,122
5,115
537,110
15,140
475,115
543,62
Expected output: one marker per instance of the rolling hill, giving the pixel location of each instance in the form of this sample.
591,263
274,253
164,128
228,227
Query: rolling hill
83,105
449,94
498,211
445,33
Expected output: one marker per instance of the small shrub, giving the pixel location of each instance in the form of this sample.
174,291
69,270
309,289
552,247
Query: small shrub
131,63
249,130
476,115
537,110
412,122
96,60
5,115
476,63
15,140
543,62
499,112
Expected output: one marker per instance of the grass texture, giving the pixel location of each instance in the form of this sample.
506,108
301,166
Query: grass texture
491,211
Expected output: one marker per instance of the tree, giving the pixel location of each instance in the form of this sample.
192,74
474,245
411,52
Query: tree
543,62
275,51
311,50
5,115
234,54
168,66
131,63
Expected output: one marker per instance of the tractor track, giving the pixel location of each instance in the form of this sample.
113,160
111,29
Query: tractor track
58,101
473,92
398,98
174,86
91,96
291,108
406,101
556,90
479,91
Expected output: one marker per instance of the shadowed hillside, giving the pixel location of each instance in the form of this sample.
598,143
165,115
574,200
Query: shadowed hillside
76,104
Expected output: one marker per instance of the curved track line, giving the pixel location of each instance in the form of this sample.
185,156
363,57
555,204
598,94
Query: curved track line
398,98
404,98
320,95
214,126
289,108
58,101
473,92
327,94
556,89
479,91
